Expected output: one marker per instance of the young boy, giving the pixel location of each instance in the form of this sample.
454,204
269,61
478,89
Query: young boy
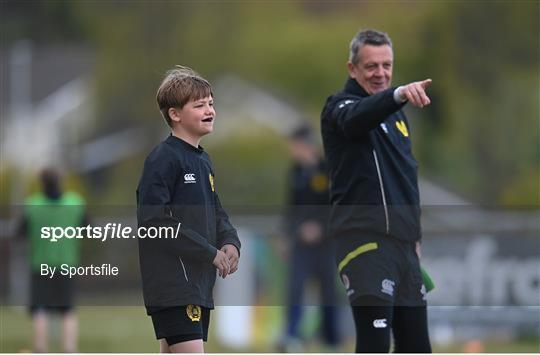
177,190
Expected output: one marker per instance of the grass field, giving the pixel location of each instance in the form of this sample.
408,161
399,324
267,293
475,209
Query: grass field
128,329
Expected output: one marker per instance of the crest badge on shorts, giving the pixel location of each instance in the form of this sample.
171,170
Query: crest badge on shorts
194,313
346,281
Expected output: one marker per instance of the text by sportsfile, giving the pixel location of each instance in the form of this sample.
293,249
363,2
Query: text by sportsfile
108,231
71,271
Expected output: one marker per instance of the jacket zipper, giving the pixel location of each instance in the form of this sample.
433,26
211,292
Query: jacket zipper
183,268
382,192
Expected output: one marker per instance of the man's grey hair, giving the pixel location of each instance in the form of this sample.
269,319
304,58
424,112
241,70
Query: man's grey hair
363,37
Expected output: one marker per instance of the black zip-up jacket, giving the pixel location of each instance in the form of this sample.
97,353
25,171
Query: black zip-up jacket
177,186
373,173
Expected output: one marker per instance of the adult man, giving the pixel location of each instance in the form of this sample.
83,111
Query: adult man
306,217
375,216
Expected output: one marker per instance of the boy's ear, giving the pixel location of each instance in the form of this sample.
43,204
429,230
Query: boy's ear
174,114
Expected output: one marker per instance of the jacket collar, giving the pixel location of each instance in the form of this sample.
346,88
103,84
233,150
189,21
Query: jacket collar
177,142
352,87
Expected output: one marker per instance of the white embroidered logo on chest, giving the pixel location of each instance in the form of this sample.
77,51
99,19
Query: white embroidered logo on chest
189,179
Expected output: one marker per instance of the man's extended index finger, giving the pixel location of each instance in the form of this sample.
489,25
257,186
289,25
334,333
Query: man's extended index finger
426,83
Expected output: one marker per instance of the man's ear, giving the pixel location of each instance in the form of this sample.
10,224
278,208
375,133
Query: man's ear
352,69
174,114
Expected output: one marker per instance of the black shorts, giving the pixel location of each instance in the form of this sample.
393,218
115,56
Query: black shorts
48,294
182,323
380,266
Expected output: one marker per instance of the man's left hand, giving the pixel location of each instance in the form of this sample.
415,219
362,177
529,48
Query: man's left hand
415,93
232,253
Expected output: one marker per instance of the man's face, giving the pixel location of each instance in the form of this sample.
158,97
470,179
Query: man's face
197,117
302,151
373,71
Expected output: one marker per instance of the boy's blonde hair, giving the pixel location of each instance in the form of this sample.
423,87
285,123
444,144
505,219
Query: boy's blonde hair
181,85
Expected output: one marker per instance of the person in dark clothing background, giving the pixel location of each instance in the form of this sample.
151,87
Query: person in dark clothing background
375,214
311,255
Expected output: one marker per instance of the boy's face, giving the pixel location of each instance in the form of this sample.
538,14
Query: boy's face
196,117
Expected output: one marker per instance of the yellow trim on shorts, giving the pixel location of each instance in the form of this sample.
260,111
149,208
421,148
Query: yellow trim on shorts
353,254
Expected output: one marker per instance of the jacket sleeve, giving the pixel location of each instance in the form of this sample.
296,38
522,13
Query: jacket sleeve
356,116
226,233
154,199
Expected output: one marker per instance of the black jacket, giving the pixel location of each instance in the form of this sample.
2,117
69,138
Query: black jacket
373,174
308,197
177,186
